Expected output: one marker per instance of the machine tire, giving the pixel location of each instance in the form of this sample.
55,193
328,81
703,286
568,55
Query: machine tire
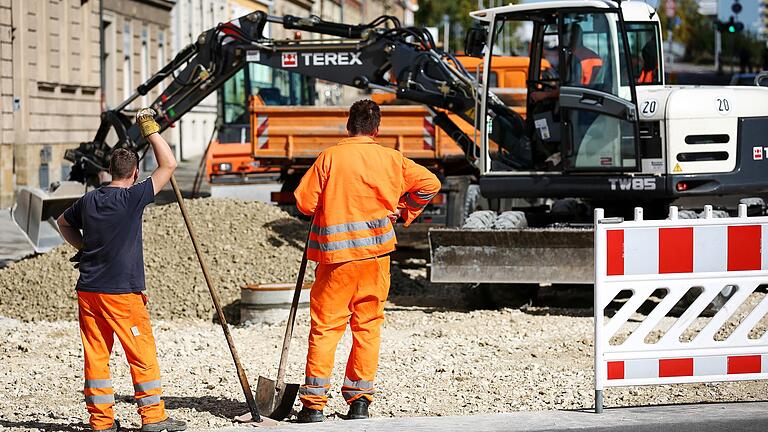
473,200
755,206
512,219
687,214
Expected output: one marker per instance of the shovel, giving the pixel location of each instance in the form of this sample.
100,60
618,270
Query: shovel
275,398
252,416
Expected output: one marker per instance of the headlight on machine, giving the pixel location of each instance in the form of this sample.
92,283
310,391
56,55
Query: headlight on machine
224,166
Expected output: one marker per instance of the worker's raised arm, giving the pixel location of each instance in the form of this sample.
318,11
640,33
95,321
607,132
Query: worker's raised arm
311,187
420,187
166,162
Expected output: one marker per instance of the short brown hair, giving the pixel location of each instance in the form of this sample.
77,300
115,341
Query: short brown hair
364,118
122,163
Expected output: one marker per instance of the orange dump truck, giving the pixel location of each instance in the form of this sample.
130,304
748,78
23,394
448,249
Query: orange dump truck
287,139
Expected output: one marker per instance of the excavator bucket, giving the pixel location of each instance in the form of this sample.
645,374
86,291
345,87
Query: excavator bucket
36,210
531,255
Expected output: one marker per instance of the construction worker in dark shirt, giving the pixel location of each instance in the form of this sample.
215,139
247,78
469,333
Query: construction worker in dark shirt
110,288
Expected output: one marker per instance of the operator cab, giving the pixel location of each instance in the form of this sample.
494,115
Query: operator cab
586,62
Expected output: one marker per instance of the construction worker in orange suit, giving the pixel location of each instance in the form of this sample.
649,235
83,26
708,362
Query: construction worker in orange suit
355,191
110,288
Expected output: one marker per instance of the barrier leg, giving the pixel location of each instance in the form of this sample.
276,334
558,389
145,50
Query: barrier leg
598,401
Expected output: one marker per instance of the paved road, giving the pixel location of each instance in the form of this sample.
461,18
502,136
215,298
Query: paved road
733,417
13,243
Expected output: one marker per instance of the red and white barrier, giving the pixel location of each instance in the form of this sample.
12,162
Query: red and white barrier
724,259
429,133
262,131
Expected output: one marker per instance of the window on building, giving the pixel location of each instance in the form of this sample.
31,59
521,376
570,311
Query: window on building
144,60
161,55
110,62
127,60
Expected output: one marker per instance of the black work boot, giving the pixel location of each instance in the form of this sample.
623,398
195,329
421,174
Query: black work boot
169,425
114,428
309,415
358,409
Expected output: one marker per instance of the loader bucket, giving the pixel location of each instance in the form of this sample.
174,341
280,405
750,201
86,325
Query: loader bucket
36,211
531,255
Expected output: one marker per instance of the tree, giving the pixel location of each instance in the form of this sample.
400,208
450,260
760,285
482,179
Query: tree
695,32
431,12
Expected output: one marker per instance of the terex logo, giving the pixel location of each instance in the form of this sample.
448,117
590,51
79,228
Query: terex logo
632,184
289,59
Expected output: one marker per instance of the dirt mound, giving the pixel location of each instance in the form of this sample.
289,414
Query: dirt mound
244,243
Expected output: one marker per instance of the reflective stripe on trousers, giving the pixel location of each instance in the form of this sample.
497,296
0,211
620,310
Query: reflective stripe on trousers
354,389
98,392
314,392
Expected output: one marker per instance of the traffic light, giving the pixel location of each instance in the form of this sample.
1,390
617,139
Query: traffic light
730,26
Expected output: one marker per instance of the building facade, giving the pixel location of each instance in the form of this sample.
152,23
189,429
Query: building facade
51,77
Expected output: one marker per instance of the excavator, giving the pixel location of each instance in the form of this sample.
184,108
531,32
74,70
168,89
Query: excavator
602,128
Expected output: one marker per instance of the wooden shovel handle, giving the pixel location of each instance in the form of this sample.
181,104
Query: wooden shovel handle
280,384
217,304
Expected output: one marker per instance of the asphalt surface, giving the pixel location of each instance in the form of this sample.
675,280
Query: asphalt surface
13,244
733,417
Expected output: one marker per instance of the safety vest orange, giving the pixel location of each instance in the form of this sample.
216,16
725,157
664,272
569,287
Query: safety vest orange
646,77
589,62
351,189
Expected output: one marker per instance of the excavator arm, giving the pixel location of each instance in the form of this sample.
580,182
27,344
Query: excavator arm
380,55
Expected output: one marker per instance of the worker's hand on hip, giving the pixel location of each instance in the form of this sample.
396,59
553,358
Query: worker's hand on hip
395,216
145,118
76,258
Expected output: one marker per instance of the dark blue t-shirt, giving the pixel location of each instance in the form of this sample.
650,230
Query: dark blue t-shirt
110,217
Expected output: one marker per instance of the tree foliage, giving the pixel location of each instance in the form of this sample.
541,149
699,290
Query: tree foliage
431,12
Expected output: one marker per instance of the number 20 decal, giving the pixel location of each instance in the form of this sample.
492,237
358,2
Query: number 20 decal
648,107
723,106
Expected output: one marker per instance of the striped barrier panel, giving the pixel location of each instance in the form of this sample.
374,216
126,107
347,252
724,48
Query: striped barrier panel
680,300
262,131
429,133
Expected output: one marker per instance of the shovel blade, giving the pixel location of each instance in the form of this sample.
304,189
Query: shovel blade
284,401
266,392
272,403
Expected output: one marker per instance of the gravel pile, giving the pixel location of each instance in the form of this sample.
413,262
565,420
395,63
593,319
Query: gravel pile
244,243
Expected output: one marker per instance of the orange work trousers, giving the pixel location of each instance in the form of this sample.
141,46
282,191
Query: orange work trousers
102,316
353,293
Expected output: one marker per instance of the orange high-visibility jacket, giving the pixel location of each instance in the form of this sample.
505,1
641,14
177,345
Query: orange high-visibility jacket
589,62
351,189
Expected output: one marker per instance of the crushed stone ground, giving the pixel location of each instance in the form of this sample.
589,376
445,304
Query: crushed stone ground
433,363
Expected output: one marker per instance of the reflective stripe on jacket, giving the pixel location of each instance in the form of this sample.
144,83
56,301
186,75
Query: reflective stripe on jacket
351,189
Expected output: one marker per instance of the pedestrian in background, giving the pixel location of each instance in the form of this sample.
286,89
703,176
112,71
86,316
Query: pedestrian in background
355,190
111,283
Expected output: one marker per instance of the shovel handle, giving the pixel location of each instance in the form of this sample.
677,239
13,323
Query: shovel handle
217,304
292,315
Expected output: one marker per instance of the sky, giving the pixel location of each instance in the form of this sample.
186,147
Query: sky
750,14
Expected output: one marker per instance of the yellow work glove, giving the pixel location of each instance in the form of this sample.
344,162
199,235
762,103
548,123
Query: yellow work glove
145,118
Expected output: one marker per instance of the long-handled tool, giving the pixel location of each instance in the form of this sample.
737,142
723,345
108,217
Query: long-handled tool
253,415
277,397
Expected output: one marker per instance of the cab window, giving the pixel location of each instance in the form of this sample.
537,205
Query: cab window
589,60
644,48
